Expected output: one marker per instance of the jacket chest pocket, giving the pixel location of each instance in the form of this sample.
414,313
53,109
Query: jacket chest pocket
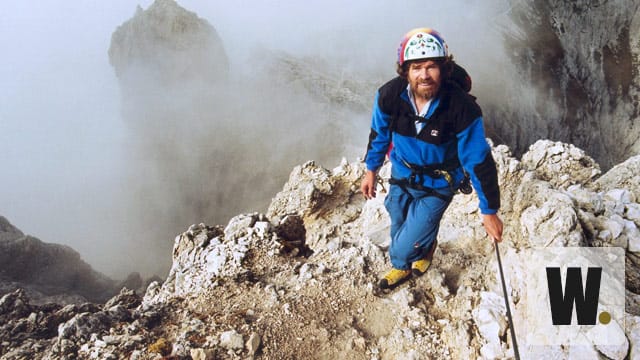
435,133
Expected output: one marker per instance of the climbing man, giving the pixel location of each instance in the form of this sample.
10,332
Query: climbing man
438,142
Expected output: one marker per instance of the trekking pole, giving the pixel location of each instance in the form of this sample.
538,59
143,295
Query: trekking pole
506,303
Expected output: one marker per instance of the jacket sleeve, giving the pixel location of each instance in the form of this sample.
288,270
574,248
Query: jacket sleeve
379,138
475,156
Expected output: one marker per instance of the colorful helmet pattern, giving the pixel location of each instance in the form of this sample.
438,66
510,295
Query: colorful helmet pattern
422,43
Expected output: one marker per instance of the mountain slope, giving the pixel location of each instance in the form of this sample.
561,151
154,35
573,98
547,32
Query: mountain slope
299,281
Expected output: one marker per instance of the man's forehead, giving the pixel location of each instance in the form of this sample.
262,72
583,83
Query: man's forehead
426,62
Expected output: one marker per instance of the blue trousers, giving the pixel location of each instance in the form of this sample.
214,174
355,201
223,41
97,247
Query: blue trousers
415,220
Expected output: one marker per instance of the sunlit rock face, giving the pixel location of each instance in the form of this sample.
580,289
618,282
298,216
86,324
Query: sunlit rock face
577,66
299,280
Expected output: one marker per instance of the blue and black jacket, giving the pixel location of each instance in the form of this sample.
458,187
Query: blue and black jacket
453,133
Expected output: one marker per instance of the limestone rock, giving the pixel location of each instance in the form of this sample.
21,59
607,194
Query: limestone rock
307,187
231,340
587,99
632,329
201,354
560,164
326,83
8,232
171,42
625,175
230,283
491,323
253,343
46,269
324,305
550,219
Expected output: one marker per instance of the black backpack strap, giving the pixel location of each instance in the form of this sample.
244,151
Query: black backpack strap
460,77
388,100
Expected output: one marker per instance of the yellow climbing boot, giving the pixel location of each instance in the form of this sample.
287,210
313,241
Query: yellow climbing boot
421,266
393,278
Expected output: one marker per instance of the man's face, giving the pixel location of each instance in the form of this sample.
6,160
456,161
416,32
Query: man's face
424,78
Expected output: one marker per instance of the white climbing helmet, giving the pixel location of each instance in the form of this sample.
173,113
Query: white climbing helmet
422,43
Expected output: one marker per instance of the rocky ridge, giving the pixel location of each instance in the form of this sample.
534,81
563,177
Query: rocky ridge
299,280
49,272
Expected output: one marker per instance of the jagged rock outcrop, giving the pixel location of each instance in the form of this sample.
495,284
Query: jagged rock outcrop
168,43
48,272
576,63
251,290
170,66
176,98
54,331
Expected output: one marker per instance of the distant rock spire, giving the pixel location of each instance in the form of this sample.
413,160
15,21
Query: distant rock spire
170,43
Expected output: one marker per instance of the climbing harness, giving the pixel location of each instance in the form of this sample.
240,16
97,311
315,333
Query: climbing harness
438,170
506,303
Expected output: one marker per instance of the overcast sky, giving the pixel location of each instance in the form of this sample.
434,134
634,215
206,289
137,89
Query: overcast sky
61,133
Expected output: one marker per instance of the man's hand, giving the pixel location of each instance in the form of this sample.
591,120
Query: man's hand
493,226
368,186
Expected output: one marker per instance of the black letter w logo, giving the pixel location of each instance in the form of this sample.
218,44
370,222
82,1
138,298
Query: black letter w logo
586,301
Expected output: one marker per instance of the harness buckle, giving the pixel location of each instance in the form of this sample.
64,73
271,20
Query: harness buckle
446,175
